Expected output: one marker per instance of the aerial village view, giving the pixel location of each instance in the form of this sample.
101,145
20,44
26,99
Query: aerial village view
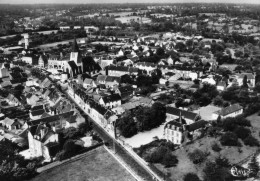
129,91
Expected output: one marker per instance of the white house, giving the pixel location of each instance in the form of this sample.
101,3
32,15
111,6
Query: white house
250,79
173,132
149,67
64,28
110,101
230,111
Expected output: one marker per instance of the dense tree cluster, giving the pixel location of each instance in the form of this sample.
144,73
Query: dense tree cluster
142,119
13,166
158,151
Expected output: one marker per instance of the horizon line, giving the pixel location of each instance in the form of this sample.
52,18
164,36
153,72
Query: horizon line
68,3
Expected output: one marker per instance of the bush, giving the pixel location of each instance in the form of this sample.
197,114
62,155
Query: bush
197,156
229,139
215,147
191,177
251,141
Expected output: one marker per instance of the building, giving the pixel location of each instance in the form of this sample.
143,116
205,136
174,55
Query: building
250,79
221,86
173,113
148,67
110,101
230,111
173,132
43,141
11,124
89,83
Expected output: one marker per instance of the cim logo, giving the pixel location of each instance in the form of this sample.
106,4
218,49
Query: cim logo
238,171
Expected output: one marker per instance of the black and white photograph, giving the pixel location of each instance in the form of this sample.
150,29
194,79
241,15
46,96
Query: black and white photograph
128,90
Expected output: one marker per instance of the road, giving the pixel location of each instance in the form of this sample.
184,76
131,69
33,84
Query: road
118,149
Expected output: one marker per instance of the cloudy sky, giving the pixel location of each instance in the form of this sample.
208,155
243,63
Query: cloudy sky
123,1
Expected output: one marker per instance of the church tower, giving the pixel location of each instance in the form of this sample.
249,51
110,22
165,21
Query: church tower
75,56
41,62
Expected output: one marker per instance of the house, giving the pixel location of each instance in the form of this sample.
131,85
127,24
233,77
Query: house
125,91
112,81
11,124
221,86
101,79
110,101
36,112
32,99
58,121
250,79
11,99
230,111
194,128
147,66
173,132
117,71
43,141
173,113
89,83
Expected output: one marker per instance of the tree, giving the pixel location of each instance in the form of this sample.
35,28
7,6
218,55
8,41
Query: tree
83,128
214,172
127,126
70,133
242,132
251,141
229,139
191,177
245,82
169,160
238,53
197,156
160,51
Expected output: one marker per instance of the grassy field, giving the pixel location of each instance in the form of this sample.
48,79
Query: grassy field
98,165
185,165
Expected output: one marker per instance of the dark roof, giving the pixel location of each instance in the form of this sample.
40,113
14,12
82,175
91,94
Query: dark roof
112,79
111,98
118,68
73,65
126,89
34,108
185,114
228,110
51,118
175,123
75,47
196,125
38,112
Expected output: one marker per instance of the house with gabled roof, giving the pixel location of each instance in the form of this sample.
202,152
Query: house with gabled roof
11,124
110,101
230,111
112,81
173,113
250,79
89,83
42,141
11,99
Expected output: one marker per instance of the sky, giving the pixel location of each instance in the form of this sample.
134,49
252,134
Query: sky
123,1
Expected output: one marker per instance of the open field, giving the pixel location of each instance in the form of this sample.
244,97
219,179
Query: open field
97,165
185,165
